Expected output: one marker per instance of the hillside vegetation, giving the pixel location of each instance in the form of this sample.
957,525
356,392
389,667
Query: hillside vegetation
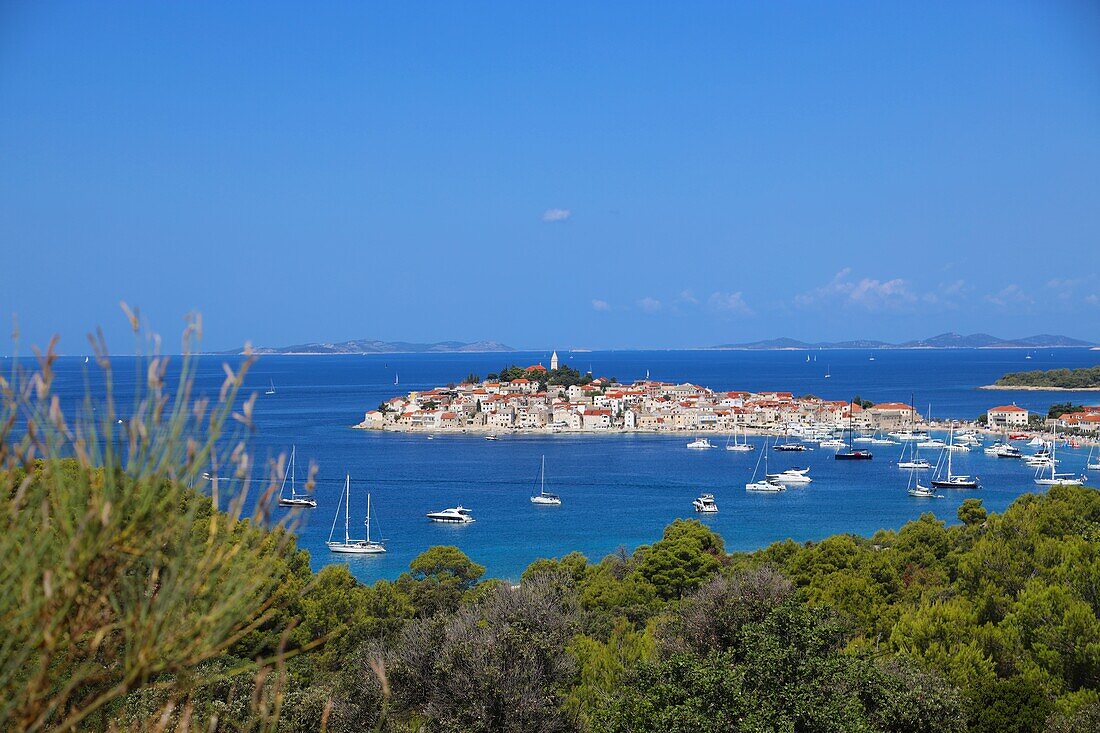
1087,378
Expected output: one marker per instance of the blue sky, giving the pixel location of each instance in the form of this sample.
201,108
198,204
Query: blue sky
551,174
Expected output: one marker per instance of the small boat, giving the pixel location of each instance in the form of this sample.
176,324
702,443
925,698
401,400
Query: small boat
396,380
923,492
271,389
915,464
353,546
790,447
828,372
491,437
705,504
1090,464
542,498
931,443
295,499
700,444
456,515
853,455
833,443
1008,451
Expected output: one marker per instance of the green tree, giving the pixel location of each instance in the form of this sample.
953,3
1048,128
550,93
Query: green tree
971,512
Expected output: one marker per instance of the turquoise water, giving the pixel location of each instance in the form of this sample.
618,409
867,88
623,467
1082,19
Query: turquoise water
617,490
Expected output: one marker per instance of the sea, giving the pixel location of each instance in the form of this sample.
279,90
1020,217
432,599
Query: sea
617,490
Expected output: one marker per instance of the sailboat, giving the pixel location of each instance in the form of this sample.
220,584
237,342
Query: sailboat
295,499
1091,464
396,379
543,498
828,371
950,480
271,389
767,485
915,462
736,445
1056,479
851,454
352,546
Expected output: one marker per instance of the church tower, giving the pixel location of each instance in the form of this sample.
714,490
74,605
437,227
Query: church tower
554,361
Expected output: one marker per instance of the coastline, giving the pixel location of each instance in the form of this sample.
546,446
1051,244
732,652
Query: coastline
1025,388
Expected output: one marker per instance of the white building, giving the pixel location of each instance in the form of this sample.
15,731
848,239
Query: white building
1007,416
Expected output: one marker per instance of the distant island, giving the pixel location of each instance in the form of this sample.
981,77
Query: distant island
1051,379
371,346
942,341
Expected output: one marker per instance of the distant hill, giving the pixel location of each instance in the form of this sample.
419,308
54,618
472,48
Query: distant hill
371,346
942,341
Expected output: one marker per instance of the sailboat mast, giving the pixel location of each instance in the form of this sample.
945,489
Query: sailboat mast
542,476
293,486
368,517
347,502
950,450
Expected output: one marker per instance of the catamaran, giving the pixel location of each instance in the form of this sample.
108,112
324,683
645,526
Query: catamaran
767,485
353,546
543,498
295,499
950,480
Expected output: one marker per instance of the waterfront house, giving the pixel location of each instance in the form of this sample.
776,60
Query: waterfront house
1006,416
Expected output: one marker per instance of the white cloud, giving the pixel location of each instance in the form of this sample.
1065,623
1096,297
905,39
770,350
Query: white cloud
556,214
600,305
686,296
868,293
729,303
649,305
1010,295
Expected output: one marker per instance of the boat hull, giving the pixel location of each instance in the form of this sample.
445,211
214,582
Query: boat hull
853,456
358,548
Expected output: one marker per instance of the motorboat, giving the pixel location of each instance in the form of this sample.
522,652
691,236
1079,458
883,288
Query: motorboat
457,515
543,498
931,443
789,477
1008,451
295,499
705,504
915,464
700,444
352,546
790,447
491,437
833,443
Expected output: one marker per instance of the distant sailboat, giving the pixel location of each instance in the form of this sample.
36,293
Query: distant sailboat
271,389
86,359
828,371
542,497
396,379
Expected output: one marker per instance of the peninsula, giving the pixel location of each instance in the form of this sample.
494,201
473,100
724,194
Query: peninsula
561,399
1052,379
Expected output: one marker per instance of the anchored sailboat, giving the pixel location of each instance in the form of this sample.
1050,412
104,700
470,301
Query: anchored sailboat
271,389
542,498
950,480
295,499
353,546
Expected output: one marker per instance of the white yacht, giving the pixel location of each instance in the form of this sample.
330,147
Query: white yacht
923,492
833,443
931,443
700,444
353,546
1008,451
295,499
705,504
790,476
491,437
542,498
457,515
948,479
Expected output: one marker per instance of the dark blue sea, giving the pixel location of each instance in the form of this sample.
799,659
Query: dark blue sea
618,490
